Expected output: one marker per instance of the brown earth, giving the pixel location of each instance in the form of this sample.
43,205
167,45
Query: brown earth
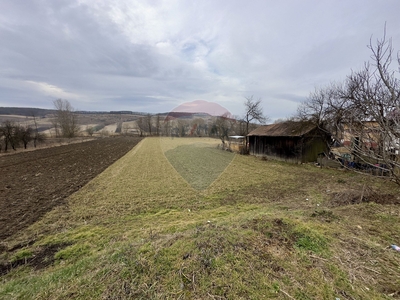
42,258
32,183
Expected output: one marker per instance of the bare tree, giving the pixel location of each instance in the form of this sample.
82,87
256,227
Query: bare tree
104,133
222,127
158,125
326,108
182,127
90,130
238,126
145,124
10,132
148,122
65,118
37,136
233,128
25,134
365,108
14,134
167,127
142,125
1,137
253,112
4,135
198,127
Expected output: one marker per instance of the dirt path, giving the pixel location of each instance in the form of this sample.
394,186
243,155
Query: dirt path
32,183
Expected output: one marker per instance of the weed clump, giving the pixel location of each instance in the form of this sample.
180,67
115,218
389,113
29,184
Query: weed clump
37,259
284,234
324,215
364,195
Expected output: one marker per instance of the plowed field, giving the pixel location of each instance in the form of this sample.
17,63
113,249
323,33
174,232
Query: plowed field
32,183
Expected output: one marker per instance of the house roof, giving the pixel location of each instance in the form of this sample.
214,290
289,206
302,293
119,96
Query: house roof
289,128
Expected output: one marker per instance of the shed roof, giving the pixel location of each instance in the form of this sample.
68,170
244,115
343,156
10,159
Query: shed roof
289,128
237,137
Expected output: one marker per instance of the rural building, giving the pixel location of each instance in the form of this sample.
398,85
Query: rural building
237,143
370,135
289,141
367,134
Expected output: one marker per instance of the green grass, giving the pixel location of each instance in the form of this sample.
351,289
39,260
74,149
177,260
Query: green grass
22,254
180,219
200,163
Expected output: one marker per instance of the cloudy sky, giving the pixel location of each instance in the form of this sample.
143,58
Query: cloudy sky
154,55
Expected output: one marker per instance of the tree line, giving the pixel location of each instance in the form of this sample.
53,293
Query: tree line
65,124
13,135
216,126
366,107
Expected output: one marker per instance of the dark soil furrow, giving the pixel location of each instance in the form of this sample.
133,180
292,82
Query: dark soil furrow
33,183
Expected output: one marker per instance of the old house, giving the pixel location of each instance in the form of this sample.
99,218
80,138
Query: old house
370,138
367,135
289,141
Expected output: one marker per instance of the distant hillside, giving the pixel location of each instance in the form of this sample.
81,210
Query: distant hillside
25,111
185,115
40,112
117,112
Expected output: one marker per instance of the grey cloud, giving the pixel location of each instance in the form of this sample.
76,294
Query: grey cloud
211,51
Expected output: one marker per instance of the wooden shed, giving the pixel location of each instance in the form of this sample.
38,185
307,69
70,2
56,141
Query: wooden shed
297,142
237,143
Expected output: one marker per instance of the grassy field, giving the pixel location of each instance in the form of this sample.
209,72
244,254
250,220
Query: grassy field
180,219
